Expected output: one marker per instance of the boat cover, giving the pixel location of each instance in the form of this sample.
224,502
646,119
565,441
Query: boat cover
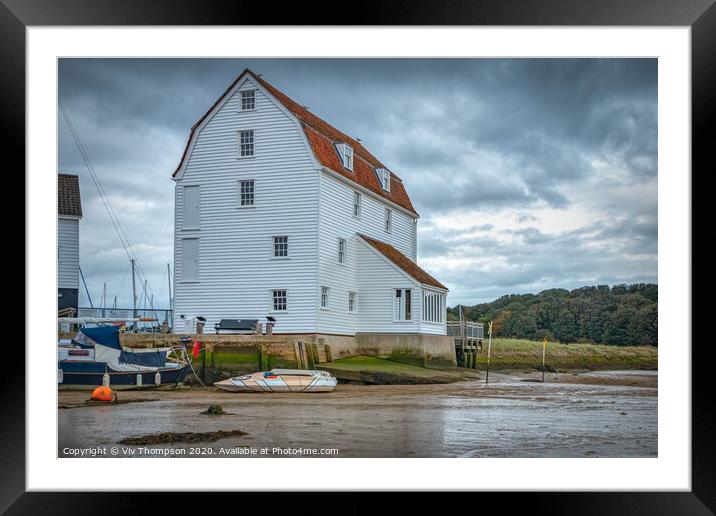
105,335
146,358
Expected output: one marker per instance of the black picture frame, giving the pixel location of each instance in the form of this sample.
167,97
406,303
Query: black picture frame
700,15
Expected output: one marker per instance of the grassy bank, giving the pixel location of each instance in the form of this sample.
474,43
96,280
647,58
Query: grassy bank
518,353
373,370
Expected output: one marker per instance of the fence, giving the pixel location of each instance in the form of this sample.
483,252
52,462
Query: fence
160,314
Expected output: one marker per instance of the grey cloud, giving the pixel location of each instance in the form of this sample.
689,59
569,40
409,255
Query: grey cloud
484,135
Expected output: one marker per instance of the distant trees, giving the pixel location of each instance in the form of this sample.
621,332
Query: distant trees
623,314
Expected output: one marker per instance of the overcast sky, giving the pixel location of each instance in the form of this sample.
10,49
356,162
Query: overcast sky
528,174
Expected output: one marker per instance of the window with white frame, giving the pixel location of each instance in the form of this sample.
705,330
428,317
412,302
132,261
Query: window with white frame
246,143
279,300
384,178
433,306
324,297
346,153
248,100
403,304
356,204
280,246
388,220
341,250
246,192
351,302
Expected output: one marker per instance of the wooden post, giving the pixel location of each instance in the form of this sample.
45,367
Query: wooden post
544,350
329,356
316,356
297,354
309,356
203,364
489,350
263,356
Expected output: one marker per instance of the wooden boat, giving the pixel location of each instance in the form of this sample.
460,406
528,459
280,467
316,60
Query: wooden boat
93,353
281,380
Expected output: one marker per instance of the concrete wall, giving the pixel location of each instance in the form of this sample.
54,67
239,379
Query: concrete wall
224,355
432,351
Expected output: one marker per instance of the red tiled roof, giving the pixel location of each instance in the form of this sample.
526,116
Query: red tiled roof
403,262
322,136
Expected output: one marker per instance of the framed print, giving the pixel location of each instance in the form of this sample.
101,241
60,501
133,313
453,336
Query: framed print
423,257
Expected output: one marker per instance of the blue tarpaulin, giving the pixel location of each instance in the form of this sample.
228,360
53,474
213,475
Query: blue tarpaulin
148,358
104,335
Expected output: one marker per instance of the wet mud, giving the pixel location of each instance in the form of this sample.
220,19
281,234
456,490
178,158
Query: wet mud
601,414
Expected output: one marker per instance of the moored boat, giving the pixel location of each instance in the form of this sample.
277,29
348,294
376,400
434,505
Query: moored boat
95,352
281,380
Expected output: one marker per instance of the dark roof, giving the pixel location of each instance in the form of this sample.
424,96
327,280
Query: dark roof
68,195
403,262
322,137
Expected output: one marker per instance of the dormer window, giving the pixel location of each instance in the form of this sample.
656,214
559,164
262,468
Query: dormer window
384,178
345,151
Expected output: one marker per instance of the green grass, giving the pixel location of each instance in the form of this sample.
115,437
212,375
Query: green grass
374,364
508,353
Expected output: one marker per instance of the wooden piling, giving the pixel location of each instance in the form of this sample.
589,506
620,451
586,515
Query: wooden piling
309,356
263,356
329,356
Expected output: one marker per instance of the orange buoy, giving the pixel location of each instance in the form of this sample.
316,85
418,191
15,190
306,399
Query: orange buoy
102,393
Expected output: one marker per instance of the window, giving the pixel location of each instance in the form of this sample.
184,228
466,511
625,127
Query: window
279,300
351,302
190,259
388,220
280,247
384,178
341,250
433,307
190,211
346,153
248,100
356,204
403,304
246,192
246,143
324,297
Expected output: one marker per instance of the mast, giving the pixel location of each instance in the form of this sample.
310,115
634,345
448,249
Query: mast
171,311
104,300
86,289
134,296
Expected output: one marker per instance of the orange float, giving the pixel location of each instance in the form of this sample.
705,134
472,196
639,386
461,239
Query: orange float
102,394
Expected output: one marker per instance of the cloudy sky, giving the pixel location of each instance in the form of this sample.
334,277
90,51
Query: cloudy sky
528,174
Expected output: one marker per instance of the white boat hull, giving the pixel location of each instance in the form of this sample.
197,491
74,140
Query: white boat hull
280,381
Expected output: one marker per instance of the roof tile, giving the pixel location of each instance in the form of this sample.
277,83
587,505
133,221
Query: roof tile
322,137
68,195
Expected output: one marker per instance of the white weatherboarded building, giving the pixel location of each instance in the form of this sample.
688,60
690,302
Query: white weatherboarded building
69,213
278,213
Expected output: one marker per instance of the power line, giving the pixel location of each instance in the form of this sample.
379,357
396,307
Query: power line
103,195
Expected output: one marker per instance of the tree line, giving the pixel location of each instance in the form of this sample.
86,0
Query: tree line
623,315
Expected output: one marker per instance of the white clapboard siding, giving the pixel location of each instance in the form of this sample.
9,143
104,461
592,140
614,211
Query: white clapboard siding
378,280
68,262
337,221
236,272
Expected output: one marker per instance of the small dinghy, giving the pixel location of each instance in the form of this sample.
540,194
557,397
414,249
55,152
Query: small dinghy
281,380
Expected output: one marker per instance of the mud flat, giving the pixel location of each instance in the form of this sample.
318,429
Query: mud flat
605,414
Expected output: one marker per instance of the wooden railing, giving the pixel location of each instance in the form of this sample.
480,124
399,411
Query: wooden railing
469,329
